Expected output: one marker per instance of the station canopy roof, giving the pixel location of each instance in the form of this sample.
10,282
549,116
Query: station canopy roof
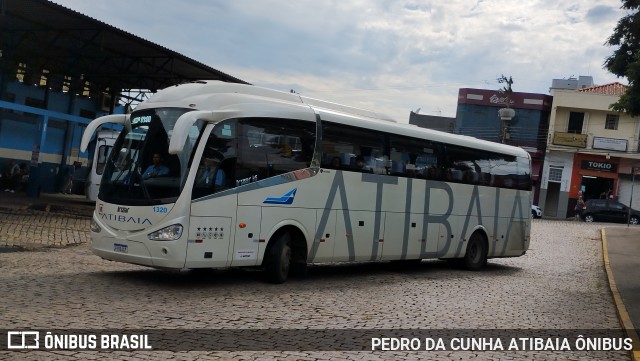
59,42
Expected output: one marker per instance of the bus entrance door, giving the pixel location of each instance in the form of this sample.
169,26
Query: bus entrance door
208,244
246,245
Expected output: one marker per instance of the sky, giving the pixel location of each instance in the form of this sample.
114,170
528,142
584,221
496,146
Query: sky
389,56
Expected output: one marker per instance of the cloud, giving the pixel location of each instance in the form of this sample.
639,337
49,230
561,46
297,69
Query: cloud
392,56
601,14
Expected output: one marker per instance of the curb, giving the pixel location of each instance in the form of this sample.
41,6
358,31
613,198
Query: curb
623,315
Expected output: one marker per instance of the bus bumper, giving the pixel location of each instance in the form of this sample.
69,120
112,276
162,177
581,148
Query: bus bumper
129,251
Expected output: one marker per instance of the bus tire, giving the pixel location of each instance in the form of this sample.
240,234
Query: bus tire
299,269
278,260
476,256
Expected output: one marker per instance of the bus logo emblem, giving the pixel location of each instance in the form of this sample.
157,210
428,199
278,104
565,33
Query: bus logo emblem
285,199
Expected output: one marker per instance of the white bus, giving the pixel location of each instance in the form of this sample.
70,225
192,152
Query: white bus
304,181
99,149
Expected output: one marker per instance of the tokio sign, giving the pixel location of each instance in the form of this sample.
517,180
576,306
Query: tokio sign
595,165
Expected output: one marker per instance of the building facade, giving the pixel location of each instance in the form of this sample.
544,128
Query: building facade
477,116
590,150
60,69
41,127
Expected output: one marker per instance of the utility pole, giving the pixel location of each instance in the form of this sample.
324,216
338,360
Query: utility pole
505,114
633,180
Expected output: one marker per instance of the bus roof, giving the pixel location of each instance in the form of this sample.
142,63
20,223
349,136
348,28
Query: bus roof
215,95
201,92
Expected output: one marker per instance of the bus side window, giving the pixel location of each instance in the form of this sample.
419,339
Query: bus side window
274,146
413,158
348,145
504,171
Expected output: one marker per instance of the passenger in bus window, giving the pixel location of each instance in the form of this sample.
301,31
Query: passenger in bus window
212,174
361,166
157,169
336,163
411,171
431,172
470,177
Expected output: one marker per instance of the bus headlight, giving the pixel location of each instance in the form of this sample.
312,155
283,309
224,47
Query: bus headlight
170,233
94,226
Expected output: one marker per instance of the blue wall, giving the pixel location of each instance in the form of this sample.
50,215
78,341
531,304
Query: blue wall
21,127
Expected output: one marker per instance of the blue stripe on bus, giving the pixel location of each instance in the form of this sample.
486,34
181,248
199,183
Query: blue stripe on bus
285,199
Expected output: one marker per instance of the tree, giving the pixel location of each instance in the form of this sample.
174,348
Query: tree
625,61
508,81
506,90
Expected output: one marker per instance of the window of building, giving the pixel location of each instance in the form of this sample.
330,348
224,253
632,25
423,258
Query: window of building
555,174
86,89
575,122
66,84
44,77
612,121
21,72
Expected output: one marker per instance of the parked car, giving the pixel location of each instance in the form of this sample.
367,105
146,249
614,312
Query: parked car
606,210
536,211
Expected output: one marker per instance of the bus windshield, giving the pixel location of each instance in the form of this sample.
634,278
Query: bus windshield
139,170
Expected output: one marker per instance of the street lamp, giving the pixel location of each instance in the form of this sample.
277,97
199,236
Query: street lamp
505,115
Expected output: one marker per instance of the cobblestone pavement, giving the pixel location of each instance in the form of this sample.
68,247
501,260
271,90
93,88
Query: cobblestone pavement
31,229
559,284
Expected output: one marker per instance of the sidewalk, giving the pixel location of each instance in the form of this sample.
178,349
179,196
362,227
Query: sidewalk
621,249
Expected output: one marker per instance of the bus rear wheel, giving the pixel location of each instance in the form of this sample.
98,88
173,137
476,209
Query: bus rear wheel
476,256
278,260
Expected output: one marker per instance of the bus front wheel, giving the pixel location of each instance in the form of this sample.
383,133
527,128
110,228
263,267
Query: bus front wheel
278,260
476,256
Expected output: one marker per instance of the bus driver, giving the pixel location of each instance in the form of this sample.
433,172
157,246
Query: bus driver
157,169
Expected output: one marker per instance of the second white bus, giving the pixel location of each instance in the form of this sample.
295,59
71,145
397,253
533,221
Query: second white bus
99,150
299,181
